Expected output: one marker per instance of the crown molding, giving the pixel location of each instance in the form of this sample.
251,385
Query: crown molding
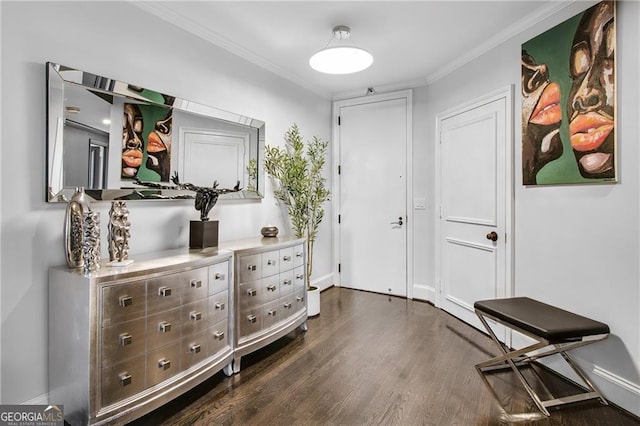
163,11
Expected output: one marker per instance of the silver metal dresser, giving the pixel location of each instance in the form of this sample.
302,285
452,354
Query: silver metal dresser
270,293
126,340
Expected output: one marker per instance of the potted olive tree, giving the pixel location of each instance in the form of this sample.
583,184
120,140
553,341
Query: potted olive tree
301,188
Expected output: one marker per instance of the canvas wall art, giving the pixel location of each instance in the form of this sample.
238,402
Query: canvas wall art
146,142
569,101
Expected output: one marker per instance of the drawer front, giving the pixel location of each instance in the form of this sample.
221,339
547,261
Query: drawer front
164,328
270,263
122,341
288,305
250,321
123,302
195,317
163,293
122,380
271,314
286,259
250,267
270,288
163,363
218,307
218,277
193,349
300,300
299,278
194,285
218,337
286,282
298,255
249,295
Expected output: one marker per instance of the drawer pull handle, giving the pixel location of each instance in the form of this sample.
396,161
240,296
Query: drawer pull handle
287,305
195,315
126,339
126,301
165,364
286,282
164,327
272,313
300,299
196,283
299,276
164,291
252,319
218,276
218,335
299,254
194,348
220,306
272,287
251,267
286,258
271,262
125,378
251,292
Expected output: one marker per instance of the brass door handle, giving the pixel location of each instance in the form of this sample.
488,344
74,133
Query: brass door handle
493,236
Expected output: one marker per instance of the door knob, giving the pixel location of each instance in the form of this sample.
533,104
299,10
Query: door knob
493,236
399,222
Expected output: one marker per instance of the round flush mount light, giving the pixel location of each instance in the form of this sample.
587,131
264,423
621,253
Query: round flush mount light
340,56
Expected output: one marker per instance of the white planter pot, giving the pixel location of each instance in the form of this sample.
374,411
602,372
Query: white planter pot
313,301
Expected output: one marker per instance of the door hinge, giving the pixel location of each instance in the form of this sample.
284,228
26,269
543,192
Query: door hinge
338,120
339,267
339,169
339,218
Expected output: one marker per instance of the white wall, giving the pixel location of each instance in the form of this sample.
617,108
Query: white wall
118,40
576,247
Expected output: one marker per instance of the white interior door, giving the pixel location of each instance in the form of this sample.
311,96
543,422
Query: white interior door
373,140
474,198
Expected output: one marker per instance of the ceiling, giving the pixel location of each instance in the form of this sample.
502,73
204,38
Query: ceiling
413,42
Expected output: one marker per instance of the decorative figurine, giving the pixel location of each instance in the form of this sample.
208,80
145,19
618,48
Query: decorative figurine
73,227
206,197
119,233
91,242
202,233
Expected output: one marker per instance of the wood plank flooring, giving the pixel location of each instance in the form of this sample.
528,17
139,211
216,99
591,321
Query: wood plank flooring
371,359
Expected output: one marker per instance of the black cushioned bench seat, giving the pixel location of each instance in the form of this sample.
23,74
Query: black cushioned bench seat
551,323
554,330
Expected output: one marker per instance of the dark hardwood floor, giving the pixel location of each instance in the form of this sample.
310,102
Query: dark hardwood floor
371,359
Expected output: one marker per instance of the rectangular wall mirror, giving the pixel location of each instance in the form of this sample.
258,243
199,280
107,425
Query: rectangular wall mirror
124,142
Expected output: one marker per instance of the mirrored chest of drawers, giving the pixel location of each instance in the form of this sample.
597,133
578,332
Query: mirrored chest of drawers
270,292
125,340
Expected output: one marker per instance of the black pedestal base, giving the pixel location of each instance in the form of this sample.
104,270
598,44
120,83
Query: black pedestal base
203,234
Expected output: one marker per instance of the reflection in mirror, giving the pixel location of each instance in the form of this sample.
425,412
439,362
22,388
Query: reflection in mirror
105,135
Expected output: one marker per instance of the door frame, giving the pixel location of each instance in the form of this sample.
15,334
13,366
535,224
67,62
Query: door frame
505,93
401,94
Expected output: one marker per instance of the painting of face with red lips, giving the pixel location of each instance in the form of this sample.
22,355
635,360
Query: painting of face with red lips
568,101
541,119
146,142
591,103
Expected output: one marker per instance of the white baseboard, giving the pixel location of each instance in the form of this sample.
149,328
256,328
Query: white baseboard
38,400
424,292
323,282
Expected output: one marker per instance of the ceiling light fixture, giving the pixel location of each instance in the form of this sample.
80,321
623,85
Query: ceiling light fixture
340,56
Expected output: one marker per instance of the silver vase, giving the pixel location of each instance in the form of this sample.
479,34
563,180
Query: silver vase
119,231
73,227
91,242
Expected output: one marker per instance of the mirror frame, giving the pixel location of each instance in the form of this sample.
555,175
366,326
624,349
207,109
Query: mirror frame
57,76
